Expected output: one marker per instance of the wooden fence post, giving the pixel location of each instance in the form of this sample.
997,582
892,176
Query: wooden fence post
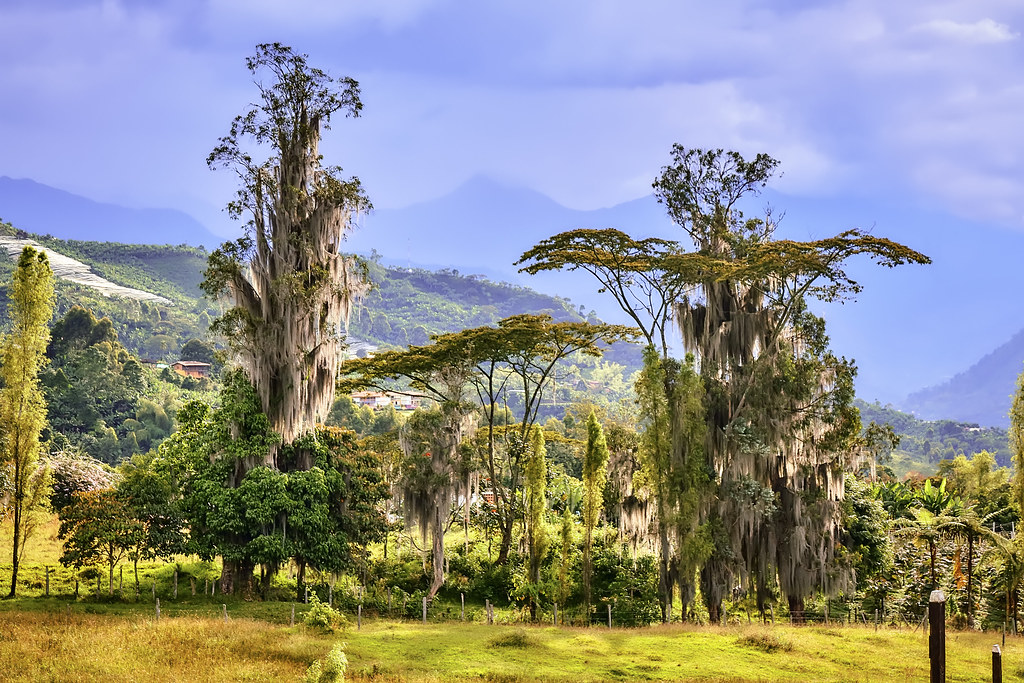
158,609
224,608
609,615
556,614
175,584
293,615
424,609
359,616
154,589
462,612
937,637
997,665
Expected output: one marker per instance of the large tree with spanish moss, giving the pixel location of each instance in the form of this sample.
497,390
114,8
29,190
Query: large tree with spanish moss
777,413
290,286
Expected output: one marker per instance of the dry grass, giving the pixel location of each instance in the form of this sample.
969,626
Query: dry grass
63,646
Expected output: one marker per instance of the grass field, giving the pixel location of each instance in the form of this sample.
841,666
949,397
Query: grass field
95,638
60,640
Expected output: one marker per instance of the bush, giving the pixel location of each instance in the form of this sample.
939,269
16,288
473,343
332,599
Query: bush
322,615
331,668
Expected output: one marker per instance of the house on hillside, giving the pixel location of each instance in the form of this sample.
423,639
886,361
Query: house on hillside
382,399
192,368
371,399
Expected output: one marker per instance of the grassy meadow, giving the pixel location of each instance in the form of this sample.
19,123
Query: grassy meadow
64,640
97,638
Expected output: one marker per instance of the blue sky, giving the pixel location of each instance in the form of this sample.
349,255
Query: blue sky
914,104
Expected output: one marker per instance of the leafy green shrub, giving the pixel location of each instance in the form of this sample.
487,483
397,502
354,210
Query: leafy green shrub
322,615
330,669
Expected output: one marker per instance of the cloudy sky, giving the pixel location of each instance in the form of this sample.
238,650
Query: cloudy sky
913,103
121,100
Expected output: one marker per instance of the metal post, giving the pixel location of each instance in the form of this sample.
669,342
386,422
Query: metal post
937,637
997,664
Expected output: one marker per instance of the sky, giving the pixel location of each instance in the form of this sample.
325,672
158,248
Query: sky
913,103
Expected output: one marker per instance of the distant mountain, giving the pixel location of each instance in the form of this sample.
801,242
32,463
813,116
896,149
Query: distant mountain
483,227
44,210
980,394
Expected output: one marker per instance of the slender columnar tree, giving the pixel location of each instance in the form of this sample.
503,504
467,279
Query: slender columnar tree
22,407
595,475
291,287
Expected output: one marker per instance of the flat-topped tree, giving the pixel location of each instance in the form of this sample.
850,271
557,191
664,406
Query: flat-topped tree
291,288
777,402
520,354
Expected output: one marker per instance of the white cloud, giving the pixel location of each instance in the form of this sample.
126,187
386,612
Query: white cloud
981,31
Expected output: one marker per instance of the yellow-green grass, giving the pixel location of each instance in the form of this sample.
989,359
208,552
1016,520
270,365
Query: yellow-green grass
49,643
63,646
782,653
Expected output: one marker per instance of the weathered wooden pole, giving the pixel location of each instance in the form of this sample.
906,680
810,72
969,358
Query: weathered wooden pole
293,615
997,664
192,582
609,615
937,636
359,616
462,612
424,609
175,584
556,614
158,608
224,608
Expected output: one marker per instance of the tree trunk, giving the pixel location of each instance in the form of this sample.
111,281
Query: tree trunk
796,609
664,580
970,578
932,550
437,537
16,556
300,581
236,577
506,542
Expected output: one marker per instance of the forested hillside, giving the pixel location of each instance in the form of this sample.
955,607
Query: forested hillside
925,443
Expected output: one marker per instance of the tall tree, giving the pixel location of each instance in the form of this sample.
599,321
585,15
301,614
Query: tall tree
777,406
1017,444
291,287
595,474
22,407
536,506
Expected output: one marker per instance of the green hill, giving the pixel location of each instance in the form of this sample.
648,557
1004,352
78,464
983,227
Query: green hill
925,443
